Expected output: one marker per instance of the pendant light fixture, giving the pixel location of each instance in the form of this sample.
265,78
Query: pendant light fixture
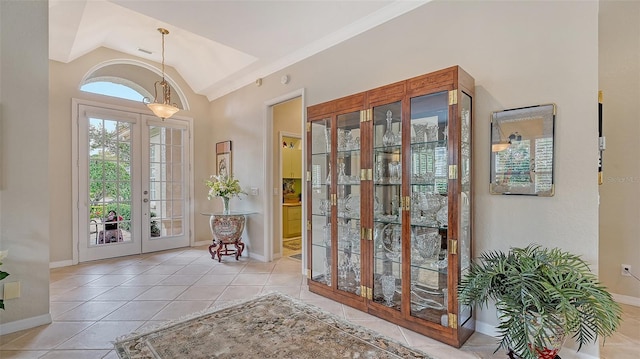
161,105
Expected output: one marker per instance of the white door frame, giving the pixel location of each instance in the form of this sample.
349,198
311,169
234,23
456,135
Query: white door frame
268,178
75,176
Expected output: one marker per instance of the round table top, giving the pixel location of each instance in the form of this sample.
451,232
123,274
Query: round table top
231,213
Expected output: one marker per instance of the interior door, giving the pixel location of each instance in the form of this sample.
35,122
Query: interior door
133,183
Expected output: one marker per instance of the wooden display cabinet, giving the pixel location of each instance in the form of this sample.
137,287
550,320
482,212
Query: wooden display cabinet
389,209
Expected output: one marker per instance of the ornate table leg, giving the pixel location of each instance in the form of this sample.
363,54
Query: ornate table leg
220,250
212,250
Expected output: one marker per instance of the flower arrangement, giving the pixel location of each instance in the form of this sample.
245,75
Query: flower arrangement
224,186
3,274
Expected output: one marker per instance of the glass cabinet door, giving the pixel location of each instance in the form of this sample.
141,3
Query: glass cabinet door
429,206
464,207
387,212
348,202
321,201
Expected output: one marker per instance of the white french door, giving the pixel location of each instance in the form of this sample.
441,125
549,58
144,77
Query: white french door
133,183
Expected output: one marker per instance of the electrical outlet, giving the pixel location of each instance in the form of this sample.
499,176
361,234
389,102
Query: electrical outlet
626,269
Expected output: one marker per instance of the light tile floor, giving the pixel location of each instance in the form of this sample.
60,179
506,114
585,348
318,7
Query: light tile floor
93,303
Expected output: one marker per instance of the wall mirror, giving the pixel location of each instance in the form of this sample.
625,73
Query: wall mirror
522,151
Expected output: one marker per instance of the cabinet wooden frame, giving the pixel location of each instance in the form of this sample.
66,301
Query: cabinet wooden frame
330,142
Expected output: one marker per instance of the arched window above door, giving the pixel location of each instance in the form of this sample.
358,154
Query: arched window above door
128,79
115,87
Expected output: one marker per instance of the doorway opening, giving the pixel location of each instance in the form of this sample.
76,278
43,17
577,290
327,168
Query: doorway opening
284,122
291,179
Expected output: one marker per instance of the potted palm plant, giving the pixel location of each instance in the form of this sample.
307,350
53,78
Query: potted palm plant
542,296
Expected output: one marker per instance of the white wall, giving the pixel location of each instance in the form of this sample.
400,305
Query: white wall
620,191
520,53
25,185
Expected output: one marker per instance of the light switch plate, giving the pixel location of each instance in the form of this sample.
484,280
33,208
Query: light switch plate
11,290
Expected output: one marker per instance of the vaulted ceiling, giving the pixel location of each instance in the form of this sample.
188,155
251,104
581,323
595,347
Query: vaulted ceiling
216,46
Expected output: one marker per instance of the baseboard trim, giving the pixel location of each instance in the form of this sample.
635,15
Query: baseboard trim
486,328
626,299
23,324
201,243
59,264
257,257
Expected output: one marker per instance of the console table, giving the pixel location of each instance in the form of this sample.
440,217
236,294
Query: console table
226,229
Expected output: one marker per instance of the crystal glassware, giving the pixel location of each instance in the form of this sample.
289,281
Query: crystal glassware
420,130
379,172
395,172
327,235
389,138
342,177
327,272
388,288
324,206
432,132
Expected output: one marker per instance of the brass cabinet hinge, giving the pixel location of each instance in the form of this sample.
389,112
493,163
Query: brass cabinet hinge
365,115
308,273
366,234
453,97
453,172
334,199
405,203
308,224
600,97
363,291
308,176
308,126
453,321
366,174
453,246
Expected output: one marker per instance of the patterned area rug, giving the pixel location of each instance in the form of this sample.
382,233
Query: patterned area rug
294,244
268,326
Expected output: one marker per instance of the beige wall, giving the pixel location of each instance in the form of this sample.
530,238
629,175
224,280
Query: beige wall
24,144
65,81
619,69
287,117
520,53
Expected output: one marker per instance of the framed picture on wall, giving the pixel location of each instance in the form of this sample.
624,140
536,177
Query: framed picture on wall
522,151
223,158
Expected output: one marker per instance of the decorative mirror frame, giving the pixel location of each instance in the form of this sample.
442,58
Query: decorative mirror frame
223,159
522,151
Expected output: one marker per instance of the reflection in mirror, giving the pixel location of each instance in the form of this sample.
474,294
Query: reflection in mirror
522,151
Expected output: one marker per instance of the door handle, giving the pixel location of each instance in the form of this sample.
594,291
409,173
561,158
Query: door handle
145,200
